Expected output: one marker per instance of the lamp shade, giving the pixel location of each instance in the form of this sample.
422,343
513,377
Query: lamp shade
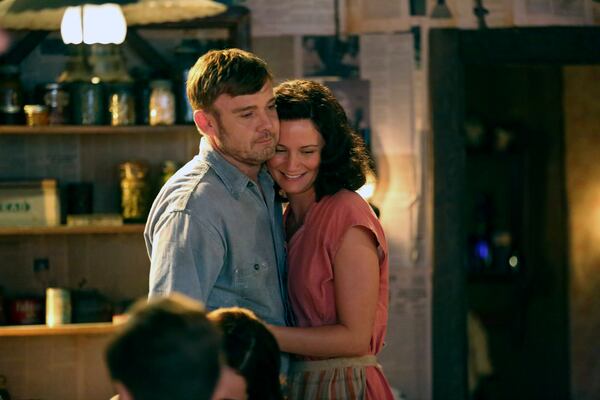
88,24
47,15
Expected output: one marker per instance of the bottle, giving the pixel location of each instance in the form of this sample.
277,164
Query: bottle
162,103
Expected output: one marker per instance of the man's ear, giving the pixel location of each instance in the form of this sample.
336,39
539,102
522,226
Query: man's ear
123,393
204,122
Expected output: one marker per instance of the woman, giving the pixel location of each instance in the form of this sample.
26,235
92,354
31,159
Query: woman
338,258
252,357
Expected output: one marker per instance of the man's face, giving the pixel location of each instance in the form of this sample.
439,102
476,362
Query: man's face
246,127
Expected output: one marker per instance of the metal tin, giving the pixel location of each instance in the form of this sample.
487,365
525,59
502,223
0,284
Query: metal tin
25,311
36,114
58,306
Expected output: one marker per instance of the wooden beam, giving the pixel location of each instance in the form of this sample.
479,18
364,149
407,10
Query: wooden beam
449,274
23,47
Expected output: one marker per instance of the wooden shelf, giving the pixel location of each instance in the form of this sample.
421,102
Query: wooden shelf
94,129
72,230
98,328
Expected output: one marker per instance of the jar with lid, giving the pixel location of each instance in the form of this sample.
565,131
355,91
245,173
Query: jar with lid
121,104
11,96
56,98
135,193
162,103
169,167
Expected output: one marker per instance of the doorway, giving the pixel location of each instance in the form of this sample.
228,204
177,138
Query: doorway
500,195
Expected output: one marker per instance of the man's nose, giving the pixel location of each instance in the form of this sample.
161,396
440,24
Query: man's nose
266,120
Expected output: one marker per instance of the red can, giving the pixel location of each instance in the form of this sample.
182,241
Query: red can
25,311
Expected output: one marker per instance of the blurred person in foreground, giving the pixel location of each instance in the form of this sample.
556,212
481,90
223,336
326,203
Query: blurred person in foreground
252,359
337,251
167,349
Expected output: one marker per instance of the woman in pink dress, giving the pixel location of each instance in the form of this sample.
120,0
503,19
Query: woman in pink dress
337,252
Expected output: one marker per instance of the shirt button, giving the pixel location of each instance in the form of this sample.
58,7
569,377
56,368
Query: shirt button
256,267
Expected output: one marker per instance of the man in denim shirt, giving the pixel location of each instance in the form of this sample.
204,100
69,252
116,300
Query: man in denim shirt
214,231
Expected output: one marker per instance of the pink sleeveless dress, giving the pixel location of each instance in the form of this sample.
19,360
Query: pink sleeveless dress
311,252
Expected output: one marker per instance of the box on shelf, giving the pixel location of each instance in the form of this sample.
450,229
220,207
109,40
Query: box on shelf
29,203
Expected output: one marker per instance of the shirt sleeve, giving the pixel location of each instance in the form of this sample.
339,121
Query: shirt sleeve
187,257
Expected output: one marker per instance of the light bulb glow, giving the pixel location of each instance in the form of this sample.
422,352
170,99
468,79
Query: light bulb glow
103,24
70,27
367,190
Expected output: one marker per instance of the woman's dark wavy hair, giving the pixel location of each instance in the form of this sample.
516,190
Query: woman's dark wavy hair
250,349
344,158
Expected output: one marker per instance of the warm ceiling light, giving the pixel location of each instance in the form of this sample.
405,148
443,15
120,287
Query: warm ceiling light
91,24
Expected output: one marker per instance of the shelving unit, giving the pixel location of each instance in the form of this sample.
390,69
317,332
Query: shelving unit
71,230
94,130
110,259
63,330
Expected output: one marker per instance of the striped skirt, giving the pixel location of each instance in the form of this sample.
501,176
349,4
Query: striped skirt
332,379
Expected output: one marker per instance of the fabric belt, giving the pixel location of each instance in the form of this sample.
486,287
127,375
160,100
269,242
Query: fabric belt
332,363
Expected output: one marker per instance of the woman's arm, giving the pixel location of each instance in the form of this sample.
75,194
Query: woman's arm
356,280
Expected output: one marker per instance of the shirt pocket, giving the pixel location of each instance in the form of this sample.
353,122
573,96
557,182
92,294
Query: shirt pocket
253,279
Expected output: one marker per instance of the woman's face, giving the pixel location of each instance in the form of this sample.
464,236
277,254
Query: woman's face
231,386
297,158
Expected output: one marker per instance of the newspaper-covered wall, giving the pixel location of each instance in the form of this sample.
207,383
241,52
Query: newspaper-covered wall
387,61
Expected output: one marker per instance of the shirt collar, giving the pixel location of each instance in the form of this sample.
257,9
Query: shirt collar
235,180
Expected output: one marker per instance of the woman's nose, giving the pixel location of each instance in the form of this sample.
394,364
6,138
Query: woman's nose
291,161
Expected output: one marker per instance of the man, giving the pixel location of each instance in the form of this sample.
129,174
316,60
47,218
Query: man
168,349
214,231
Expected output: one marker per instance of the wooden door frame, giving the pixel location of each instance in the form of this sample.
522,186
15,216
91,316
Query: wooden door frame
449,51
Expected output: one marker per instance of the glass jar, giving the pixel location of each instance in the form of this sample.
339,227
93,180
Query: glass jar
135,193
11,96
56,98
169,167
121,104
88,103
162,103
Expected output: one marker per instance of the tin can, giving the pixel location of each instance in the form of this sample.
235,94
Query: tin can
58,306
25,311
36,114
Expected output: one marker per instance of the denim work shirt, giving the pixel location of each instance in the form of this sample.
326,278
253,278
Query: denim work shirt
211,235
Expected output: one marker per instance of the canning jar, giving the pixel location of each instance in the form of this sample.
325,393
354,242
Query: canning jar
162,103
